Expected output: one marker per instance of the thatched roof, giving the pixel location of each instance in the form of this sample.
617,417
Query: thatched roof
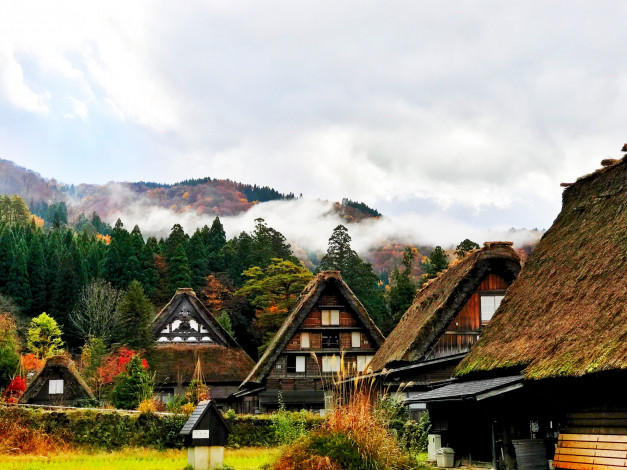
175,363
187,295
70,374
437,303
308,298
566,315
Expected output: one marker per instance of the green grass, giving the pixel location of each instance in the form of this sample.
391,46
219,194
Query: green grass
134,459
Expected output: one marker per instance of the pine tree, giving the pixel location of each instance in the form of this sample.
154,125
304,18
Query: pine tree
438,261
197,255
464,247
402,288
18,286
216,239
135,318
178,270
66,289
359,276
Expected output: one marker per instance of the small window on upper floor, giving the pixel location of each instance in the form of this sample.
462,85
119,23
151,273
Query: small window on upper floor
330,340
55,387
330,317
304,340
295,364
355,339
489,305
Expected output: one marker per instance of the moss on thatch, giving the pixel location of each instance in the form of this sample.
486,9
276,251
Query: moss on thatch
437,303
175,363
65,366
566,315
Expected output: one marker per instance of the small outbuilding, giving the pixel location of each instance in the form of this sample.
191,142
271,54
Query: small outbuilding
206,432
57,384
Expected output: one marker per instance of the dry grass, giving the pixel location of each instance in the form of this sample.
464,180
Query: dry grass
17,437
352,433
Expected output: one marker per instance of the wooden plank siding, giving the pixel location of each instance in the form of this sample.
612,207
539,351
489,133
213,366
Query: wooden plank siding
464,330
591,452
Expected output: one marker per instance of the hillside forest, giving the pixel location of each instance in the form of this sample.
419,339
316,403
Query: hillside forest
92,278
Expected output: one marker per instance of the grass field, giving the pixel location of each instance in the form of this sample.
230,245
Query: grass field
134,459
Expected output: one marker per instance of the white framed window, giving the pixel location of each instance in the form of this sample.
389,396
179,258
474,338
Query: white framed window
330,364
355,339
330,317
362,362
489,304
300,363
304,340
55,387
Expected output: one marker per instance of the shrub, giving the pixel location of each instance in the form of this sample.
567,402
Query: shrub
132,386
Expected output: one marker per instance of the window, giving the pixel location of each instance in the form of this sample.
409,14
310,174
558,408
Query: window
330,364
330,317
362,362
330,340
304,340
355,339
55,387
489,304
295,364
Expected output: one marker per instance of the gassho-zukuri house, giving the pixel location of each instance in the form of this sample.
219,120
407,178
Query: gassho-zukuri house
547,380
57,384
185,332
444,321
298,365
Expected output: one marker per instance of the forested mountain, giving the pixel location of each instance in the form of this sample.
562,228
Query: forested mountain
200,196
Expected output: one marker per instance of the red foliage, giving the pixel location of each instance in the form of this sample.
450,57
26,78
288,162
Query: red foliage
15,390
115,364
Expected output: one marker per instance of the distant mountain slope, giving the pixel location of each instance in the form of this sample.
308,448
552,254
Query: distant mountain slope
202,196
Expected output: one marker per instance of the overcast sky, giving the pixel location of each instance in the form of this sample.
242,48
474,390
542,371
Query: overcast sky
474,110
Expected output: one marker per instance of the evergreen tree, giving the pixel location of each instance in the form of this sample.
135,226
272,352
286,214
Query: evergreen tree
135,318
177,239
197,255
178,270
464,247
37,276
132,386
149,275
66,289
215,240
359,276
402,288
18,286
438,261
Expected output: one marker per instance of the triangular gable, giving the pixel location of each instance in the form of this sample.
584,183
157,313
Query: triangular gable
308,299
72,380
186,320
439,301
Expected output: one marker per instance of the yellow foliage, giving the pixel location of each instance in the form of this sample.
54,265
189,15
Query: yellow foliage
39,222
185,195
147,406
187,409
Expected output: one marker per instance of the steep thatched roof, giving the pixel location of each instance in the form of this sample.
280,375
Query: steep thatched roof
187,295
437,303
306,302
222,361
566,315
174,363
65,366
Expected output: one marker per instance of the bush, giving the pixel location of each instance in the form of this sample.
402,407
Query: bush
412,435
269,429
132,386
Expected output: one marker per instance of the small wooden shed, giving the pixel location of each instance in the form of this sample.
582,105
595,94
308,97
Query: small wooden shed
206,432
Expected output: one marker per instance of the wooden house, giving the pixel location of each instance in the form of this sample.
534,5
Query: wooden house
57,384
328,323
446,318
185,332
547,379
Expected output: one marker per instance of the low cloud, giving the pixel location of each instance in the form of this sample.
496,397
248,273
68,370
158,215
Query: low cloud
308,224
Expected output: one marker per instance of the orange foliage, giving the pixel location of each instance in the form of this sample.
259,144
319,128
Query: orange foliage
30,362
186,195
39,222
17,437
103,238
